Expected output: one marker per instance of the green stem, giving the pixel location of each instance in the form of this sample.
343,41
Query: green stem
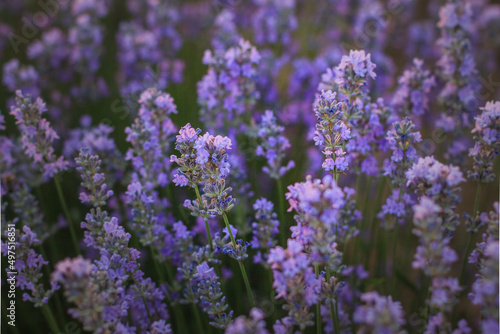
283,225
394,250
242,267
66,213
471,235
209,235
157,266
47,312
143,298
333,310
198,318
395,245
318,305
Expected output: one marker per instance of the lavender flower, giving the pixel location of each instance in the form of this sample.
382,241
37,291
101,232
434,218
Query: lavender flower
295,282
331,132
227,92
204,159
320,206
99,298
147,48
18,77
273,146
435,257
265,229
436,260
402,140
379,314
349,76
225,33
274,21
412,95
150,138
211,297
118,261
27,265
97,139
458,69
439,182
243,325
485,288
487,143
347,81
37,135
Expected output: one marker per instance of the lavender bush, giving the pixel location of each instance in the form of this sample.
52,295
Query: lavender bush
264,166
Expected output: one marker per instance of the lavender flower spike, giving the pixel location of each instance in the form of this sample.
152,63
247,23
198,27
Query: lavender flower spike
331,132
273,146
37,135
487,143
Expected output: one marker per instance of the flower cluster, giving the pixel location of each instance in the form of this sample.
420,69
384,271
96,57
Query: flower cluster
99,141
439,182
434,256
204,159
227,93
211,297
25,268
243,325
402,141
379,314
487,143
411,99
150,137
485,288
274,21
265,229
147,47
295,282
331,132
350,76
319,205
117,264
37,135
273,146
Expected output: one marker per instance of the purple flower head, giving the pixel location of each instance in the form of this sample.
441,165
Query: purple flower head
439,182
265,228
294,281
227,92
243,325
402,141
412,95
272,145
274,21
37,135
487,142
204,159
379,314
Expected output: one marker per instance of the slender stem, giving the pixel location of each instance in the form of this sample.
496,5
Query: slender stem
283,224
157,266
395,245
471,235
197,316
242,267
209,235
394,252
318,305
143,298
47,312
66,213
333,311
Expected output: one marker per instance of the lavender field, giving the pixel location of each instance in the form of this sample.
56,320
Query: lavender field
259,166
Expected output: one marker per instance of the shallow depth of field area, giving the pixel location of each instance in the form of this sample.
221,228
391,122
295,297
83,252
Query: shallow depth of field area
260,166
